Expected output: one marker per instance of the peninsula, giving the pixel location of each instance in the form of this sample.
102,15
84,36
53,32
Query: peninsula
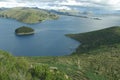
97,58
28,15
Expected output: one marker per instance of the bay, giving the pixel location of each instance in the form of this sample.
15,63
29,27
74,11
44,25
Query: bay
49,38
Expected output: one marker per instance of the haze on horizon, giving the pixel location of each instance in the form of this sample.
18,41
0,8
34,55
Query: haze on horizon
109,5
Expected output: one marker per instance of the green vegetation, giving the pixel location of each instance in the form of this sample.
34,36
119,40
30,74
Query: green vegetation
101,66
27,15
98,41
97,58
12,68
24,31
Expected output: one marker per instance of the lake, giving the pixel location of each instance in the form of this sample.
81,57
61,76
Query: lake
49,38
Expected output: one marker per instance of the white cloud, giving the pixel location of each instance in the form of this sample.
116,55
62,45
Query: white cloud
13,4
109,4
36,3
62,4
48,6
115,4
68,2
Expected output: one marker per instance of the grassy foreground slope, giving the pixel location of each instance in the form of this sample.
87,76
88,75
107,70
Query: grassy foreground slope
97,58
12,68
27,15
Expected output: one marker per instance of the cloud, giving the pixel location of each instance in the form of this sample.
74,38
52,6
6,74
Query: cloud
108,4
44,4
62,4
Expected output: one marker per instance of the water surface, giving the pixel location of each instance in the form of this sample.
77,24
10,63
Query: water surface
49,39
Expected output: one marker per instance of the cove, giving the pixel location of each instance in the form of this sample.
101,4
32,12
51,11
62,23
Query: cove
49,38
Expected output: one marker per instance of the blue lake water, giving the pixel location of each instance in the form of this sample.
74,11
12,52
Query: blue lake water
49,39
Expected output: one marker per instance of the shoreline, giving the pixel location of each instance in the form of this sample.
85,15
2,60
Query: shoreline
22,34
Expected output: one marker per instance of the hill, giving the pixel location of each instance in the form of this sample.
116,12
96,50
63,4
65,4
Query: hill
24,31
101,40
12,68
27,15
99,59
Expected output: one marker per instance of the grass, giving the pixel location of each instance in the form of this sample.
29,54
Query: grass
102,40
13,68
94,63
27,15
97,58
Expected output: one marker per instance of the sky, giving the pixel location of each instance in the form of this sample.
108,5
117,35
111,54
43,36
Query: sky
62,4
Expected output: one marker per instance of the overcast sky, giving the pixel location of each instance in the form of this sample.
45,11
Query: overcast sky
62,4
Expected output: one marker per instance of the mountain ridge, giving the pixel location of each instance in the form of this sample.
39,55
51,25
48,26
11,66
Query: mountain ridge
27,15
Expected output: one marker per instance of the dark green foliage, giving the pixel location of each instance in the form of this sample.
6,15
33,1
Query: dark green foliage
96,40
24,30
39,71
96,66
103,47
12,68
97,58
94,63
43,72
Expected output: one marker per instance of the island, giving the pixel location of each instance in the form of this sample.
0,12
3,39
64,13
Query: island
97,18
24,31
97,58
28,15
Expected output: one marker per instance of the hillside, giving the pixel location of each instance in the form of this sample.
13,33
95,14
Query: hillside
27,15
99,59
102,66
101,40
12,68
